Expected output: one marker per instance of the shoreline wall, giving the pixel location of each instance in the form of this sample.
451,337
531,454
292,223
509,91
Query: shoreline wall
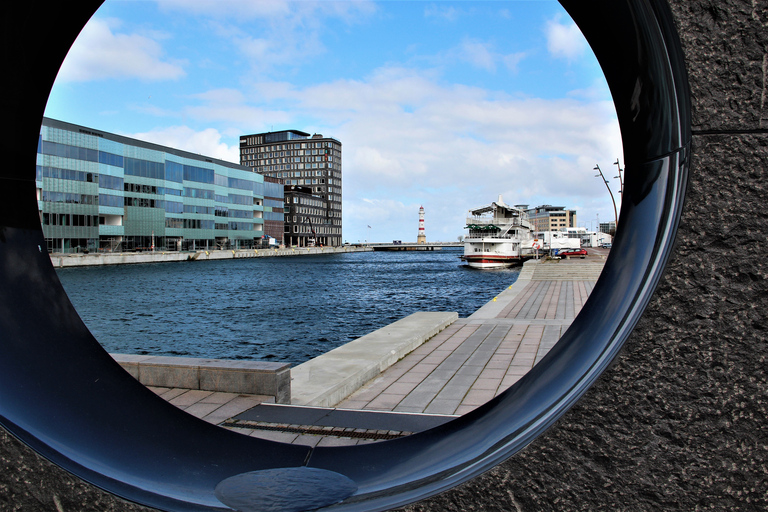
132,258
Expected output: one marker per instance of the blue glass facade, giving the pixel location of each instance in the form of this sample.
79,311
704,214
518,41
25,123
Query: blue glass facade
98,191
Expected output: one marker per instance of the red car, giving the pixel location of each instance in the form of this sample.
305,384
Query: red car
575,252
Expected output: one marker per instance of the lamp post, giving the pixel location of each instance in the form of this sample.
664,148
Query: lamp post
621,180
615,212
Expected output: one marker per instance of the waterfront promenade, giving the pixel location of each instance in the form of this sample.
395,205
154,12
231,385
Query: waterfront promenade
477,358
463,366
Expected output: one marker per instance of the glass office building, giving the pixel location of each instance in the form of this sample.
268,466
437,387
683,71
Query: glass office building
99,191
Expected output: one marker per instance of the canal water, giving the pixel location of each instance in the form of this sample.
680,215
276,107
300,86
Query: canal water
287,309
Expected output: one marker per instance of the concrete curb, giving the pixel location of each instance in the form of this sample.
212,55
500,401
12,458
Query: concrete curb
493,308
220,375
328,379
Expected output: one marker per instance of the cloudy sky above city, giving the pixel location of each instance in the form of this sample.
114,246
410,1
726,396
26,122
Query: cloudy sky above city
445,105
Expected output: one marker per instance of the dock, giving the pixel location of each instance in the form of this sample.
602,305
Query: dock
461,365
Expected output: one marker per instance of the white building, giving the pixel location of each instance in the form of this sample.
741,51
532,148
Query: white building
588,238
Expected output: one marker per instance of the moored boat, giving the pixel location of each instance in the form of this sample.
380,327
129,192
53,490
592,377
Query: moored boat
499,236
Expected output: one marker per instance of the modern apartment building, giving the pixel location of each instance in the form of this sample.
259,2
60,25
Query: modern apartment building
551,218
306,215
101,191
310,167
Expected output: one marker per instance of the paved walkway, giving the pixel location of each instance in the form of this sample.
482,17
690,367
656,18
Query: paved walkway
459,369
469,363
223,408
211,406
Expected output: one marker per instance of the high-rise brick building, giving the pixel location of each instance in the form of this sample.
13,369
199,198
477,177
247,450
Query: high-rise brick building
310,168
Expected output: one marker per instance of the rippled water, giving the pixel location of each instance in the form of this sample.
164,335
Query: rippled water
279,308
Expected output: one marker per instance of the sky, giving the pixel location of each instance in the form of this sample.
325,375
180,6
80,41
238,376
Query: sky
440,104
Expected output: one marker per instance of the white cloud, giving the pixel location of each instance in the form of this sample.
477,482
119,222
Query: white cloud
564,41
266,53
512,60
239,9
240,114
447,13
456,147
224,96
227,106
408,139
248,10
377,212
478,54
272,33
99,53
206,142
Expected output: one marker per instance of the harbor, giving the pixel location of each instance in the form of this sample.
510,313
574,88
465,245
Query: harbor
461,364
272,309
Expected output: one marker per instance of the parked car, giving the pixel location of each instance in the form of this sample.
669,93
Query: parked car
574,252
606,245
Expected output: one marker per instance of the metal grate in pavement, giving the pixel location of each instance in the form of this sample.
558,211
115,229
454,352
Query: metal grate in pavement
378,435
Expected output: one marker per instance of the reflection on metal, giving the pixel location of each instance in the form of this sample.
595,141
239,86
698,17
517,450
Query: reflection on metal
284,490
113,432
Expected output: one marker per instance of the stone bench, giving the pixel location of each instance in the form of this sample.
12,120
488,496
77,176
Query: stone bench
245,377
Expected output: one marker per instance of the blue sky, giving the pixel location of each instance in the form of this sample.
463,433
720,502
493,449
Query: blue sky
441,104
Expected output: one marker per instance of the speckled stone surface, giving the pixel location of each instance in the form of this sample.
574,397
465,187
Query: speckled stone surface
725,42
29,483
680,421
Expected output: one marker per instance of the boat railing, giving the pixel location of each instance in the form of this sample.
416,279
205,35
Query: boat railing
502,223
477,235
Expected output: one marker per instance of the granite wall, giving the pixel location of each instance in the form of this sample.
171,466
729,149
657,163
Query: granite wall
679,422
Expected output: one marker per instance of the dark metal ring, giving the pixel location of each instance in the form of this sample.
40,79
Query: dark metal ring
63,395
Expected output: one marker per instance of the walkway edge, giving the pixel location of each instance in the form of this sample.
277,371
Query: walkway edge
328,379
494,308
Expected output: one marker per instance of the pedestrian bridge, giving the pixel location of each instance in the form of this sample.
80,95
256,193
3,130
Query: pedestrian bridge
430,246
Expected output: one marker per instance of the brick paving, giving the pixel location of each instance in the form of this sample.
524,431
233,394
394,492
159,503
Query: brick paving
211,406
469,363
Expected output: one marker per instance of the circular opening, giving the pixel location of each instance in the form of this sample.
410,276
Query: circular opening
166,301
104,419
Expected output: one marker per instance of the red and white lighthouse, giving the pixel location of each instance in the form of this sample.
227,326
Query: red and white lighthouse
422,238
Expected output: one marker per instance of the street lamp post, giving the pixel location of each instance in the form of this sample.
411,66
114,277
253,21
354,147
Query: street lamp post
621,180
615,212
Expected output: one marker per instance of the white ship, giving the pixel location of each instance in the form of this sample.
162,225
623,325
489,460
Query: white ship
499,236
